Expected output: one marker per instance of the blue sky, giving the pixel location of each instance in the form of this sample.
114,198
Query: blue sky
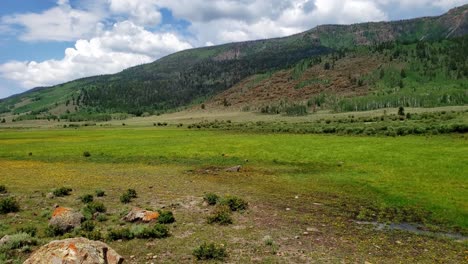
47,42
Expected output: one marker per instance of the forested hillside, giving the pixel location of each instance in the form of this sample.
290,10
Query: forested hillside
423,59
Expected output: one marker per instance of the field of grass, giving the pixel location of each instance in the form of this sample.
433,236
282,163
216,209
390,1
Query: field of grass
292,183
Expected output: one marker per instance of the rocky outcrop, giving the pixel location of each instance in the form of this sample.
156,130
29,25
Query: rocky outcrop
75,250
65,218
140,215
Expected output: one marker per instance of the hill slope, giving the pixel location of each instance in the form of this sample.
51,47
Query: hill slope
192,76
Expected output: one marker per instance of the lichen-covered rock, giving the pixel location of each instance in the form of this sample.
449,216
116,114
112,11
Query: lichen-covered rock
65,218
75,250
140,215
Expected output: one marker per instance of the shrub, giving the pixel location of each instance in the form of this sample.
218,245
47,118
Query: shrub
18,241
100,193
96,207
93,235
125,198
53,231
31,230
166,217
101,218
117,234
88,226
221,215
234,203
157,231
61,192
87,198
3,189
86,154
132,193
211,198
8,205
210,251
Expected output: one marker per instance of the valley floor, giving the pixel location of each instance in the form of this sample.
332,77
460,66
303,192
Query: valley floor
308,194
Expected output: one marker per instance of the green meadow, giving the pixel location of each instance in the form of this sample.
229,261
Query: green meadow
416,179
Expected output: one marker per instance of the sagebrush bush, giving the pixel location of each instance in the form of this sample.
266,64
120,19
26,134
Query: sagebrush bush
211,198
31,230
132,193
9,205
86,154
62,191
17,241
88,226
156,231
166,217
221,215
235,203
87,198
210,251
100,193
53,231
125,198
123,233
3,189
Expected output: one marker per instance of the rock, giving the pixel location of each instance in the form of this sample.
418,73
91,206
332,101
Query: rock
288,209
312,229
305,233
5,240
234,169
50,196
75,250
140,215
65,218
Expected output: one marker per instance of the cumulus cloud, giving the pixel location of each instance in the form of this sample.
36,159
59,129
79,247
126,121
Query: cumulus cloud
60,23
124,46
143,12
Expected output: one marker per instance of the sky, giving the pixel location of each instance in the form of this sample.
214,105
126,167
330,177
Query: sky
48,42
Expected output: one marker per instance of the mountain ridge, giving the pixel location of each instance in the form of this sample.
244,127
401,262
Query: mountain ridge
192,76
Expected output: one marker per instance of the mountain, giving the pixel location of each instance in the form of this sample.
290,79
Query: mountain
211,74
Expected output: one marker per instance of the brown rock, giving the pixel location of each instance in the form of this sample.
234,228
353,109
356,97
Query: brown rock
140,215
75,250
65,218
234,169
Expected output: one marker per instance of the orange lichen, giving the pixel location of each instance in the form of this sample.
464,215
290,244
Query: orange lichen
59,211
150,216
72,247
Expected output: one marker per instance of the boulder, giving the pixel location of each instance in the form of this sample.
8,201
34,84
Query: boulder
65,218
234,169
140,215
5,240
75,250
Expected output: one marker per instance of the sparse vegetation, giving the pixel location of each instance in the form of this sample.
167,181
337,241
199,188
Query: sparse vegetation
211,198
9,205
62,191
210,252
221,215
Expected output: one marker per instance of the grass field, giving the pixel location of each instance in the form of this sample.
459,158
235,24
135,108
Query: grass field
292,182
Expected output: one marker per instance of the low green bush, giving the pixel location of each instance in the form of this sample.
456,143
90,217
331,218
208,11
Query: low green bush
123,233
87,198
17,241
31,230
62,191
235,203
9,205
3,189
221,215
166,217
211,198
100,193
125,198
210,252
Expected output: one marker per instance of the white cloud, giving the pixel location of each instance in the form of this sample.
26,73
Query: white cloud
60,23
124,46
143,12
